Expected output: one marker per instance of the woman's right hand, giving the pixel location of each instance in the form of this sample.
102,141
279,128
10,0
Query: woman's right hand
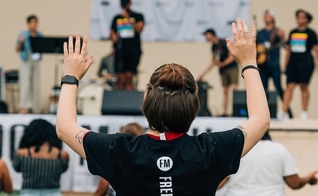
243,49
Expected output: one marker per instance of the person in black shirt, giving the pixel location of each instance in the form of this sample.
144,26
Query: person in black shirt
299,62
227,66
167,161
125,34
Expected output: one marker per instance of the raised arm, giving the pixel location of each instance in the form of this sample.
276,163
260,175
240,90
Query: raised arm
287,56
296,182
243,51
75,64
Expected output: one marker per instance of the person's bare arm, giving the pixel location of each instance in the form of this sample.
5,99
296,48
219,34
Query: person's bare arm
296,182
210,66
243,51
229,59
75,64
287,56
138,26
102,187
6,182
113,36
19,47
223,183
316,53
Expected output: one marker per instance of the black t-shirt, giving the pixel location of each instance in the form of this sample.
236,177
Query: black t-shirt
129,39
301,43
220,51
188,165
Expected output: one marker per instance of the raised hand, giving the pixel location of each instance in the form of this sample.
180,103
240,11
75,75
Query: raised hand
243,49
75,62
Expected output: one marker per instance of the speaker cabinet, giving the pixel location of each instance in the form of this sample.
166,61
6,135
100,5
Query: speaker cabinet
122,103
203,88
240,107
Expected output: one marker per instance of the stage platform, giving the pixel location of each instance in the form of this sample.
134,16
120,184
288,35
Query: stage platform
300,137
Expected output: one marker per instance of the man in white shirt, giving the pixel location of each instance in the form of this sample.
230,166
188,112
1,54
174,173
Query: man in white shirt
265,170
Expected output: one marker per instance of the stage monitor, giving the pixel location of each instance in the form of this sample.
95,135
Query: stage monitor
122,103
240,107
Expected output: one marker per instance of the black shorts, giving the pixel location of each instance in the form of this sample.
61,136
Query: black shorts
300,71
127,62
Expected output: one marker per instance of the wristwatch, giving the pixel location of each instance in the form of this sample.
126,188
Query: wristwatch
69,80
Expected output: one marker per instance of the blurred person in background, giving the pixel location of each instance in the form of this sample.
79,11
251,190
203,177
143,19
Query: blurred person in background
299,64
125,33
41,160
29,68
269,40
227,67
265,171
103,188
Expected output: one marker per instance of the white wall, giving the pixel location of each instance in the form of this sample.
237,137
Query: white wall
63,18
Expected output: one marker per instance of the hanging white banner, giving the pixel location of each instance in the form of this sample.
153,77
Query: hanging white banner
177,20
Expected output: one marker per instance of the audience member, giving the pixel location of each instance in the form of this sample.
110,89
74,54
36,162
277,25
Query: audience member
41,160
265,170
167,160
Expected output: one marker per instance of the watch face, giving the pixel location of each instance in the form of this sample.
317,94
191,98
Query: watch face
69,80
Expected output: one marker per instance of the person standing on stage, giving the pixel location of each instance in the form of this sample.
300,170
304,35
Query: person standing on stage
227,66
299,62
29,68
271,38
125,34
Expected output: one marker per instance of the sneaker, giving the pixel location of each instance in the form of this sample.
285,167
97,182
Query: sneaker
281,115
303,115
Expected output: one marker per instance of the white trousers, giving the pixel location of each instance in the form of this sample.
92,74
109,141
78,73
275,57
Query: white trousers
29,85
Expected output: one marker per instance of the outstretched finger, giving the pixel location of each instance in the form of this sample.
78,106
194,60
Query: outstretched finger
234,32
84,47
89,61
253,33
77,43
70,45
65,50
239,28
245,29
229,45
